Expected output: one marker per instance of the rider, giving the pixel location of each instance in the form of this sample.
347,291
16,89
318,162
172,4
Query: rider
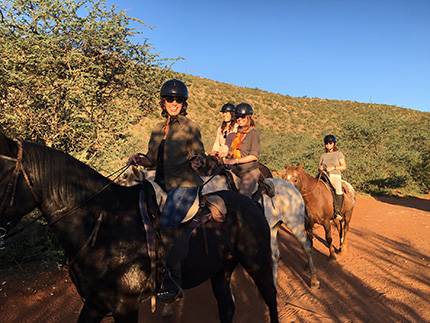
333,162
245,150
225,132
176,150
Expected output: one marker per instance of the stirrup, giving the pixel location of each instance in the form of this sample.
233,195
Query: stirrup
170,289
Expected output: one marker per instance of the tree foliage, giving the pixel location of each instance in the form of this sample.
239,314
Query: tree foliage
71,76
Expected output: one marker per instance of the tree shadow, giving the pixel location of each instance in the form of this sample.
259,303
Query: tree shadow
409,201
349,293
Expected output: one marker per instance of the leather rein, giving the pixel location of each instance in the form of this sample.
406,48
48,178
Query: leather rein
316,184
9,196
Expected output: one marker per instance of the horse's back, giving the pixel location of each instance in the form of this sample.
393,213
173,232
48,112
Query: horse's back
286,206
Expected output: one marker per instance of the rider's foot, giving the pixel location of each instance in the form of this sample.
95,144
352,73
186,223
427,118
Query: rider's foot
170,291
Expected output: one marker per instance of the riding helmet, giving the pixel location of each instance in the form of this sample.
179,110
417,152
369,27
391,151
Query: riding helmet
174,87
329,138
228,107
243,109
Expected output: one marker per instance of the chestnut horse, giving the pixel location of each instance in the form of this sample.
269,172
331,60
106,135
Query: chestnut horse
99,225
319,204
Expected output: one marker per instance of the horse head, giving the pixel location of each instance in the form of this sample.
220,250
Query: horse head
15,185
211,166
293,175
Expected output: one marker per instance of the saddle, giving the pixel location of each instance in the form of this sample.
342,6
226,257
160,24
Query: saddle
261,187
204,208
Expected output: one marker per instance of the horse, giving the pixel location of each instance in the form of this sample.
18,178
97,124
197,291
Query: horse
319,204
99,225
286,206
213,164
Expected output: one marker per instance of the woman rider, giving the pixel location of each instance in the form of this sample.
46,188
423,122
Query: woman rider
176,150
333,162
245,150
225,132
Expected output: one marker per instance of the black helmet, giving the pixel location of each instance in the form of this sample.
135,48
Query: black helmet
243,109
174,88
329,138
228,107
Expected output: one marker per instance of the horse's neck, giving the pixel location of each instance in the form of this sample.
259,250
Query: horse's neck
308,182
61,181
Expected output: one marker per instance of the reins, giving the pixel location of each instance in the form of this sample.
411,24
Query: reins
316,183
11,190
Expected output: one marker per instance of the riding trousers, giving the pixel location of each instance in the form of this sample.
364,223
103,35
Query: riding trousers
248,181
336,181
178,202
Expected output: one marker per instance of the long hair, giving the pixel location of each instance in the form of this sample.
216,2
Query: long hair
334,148
251,121
164,112
230,125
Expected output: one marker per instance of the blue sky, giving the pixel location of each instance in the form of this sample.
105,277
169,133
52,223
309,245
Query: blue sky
364,50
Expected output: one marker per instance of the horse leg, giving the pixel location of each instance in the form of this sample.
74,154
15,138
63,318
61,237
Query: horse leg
222,291
127,309
329,239
89,314
343,244
275,251
306,245
263,278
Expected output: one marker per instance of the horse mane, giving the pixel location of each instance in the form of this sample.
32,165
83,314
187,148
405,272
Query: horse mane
68,178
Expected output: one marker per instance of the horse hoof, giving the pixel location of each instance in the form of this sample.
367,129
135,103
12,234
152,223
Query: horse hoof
167,311
315,284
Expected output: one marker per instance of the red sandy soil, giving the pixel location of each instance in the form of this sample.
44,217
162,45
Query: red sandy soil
383,277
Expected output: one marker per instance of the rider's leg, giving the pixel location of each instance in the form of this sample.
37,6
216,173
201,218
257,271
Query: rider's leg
336,181
248,181
178,202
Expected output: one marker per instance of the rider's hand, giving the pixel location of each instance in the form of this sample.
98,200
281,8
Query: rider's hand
195,162
133,159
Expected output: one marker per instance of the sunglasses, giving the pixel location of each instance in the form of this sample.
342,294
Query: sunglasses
329,142
179,100
241,117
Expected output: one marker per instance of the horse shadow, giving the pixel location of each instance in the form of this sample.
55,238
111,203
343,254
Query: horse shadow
354,288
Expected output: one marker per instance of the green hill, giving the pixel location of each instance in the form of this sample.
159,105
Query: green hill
387,148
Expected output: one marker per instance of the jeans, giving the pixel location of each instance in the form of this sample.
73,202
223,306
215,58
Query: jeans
179,200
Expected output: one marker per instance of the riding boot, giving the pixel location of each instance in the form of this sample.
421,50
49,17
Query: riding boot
173,246
338,207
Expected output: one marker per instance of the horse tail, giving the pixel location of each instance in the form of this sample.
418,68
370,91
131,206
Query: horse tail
308,221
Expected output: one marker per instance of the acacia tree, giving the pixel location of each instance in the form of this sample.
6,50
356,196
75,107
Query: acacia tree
71,76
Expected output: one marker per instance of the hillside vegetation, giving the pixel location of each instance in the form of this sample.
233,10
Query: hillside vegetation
387,148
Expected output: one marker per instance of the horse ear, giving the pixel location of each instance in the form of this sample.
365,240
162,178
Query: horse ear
300,167
286,166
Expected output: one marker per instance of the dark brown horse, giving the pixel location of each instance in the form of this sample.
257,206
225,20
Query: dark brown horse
214,166
319,203
99,225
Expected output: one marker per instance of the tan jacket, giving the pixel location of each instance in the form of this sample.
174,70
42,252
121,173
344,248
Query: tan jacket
183,141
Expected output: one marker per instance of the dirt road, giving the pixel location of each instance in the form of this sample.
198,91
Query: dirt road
384,277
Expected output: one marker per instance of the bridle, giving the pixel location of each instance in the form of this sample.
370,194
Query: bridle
313,188
9,196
